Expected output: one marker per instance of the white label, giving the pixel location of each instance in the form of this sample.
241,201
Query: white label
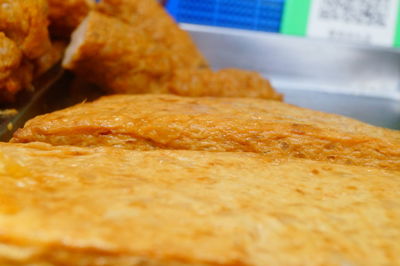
366,21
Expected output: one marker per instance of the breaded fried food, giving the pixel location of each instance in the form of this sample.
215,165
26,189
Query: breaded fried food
66,15
26,50
15,71
50,58
121,59
222,83
76,206
148,122
149,16
112,54
10,56
25,22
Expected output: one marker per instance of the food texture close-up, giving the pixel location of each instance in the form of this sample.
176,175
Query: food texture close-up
199,133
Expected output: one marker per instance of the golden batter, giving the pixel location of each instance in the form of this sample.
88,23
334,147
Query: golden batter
147,122
104,206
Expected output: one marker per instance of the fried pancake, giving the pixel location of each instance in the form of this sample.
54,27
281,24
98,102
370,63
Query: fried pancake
147,122
104,206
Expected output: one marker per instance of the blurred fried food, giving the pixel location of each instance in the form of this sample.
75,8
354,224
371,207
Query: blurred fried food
66,15
10,66
150,17
51,57
26,48
25,22
147,122
112,54
118,57
75,206
16,72
222,83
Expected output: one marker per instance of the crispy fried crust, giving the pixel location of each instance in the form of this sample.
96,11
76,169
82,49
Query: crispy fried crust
75,206
150,17
15,71
147,122
25,22
115,55
66,15
10,56
52,57
26,50
10,60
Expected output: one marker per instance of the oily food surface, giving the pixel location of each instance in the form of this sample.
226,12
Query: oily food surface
217,124
103,206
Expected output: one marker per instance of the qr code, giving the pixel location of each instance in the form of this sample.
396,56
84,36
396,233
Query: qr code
359,12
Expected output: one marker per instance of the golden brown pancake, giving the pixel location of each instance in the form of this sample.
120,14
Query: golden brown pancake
104,206
148,122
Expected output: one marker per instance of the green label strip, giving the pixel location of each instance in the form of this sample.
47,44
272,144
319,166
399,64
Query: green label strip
397,36
296,14
295,17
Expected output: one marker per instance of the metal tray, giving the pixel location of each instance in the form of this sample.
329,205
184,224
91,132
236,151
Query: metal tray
362,82
356,81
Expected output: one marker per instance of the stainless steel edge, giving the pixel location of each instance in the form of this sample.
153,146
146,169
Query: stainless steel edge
353,80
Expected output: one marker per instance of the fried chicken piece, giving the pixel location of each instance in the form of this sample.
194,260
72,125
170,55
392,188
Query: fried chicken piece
149,16
15,72
25,22
115,55
75,206
148,122
66,15
223,83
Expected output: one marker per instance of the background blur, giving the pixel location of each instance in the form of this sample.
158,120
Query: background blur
374,22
